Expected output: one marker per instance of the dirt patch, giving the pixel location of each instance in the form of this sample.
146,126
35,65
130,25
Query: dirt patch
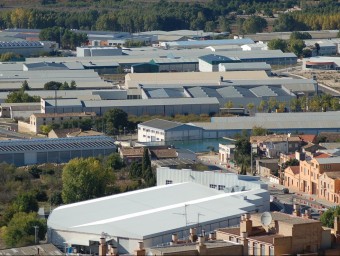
329,78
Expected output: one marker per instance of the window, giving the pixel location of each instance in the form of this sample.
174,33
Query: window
61,118
167,182
271,251
221,187
263,250
213,186
255,249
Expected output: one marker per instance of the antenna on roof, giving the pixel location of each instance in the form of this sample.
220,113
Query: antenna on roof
266,219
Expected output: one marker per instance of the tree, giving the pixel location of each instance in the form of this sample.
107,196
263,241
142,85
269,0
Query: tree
21,96
24,86
272,103
250,107
114,119
114,161
254,24
296,46
306,53
327,218
147,173
300,35
278,44
317,47
83,179
22,203
21,232
262,106
52,85
259,131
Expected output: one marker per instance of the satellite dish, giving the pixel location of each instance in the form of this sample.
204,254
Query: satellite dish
266,219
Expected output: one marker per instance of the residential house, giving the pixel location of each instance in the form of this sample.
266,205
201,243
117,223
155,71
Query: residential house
291,177
163,153
272,145
39,119
130,155
226,153
329,186
279,234
267,167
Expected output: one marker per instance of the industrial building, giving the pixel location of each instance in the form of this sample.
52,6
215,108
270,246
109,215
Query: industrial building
245,66
150,215
227,182
239,92
164,107
98,51
84,79
321,63
40,151
36,120
304,122
163,130
204,43
210,62
27,48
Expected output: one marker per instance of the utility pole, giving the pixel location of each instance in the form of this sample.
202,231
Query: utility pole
36,228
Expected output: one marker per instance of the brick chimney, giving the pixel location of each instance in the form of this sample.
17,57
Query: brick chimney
244,242
296,211
246,224
174,239
140,251
212,236
201,247
193,235
307,214
102,246
111,250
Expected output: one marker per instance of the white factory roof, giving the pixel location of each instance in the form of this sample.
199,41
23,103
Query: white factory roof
143,213
304,120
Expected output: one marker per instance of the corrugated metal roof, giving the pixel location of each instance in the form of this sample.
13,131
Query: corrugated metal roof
263,91
42,249
305,120
211,42
41,145
151,211
328,160
161,124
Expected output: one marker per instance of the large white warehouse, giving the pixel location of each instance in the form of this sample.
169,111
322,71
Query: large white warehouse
150,215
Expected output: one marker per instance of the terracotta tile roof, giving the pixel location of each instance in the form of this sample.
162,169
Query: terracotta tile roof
308,138
129,152
164,153
321,155
333,175
295,169
269,238
233,231
273,138
62,133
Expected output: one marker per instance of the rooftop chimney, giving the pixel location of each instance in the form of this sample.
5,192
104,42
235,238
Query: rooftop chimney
102,246
296,211
193,236
174,239
246,224
201,247
141,250
212,236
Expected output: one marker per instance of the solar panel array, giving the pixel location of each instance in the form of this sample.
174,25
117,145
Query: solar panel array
19,44
57,144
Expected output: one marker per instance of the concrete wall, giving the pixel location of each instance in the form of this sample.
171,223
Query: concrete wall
24,127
